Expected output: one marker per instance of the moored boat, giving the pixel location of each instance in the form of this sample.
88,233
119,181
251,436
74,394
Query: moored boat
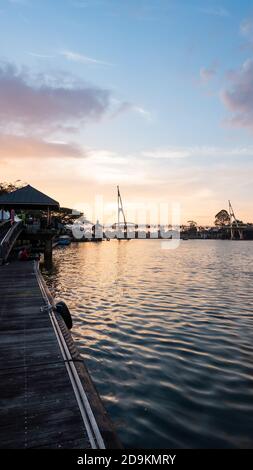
64,240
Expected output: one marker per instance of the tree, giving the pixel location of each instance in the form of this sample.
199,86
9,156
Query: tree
192,227
65,215
238,222
9,187
222,218
192,224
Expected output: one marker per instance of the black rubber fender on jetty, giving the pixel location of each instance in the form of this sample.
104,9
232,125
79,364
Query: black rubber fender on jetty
63,310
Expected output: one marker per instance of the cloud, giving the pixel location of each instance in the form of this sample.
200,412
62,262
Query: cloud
33,109
246,27
120,107
238,97
103,156
200,184
24,147
175,153
206,74
70,56
246,30
169,153
143,112
40,56
215,11
35,102
83,59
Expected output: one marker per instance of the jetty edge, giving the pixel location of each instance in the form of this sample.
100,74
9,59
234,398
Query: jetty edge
48,397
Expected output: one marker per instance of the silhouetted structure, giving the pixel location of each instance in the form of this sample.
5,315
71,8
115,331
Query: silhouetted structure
40,231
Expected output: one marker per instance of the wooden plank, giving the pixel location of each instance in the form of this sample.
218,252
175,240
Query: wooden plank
38,405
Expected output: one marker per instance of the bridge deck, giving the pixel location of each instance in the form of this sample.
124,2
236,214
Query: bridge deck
39,408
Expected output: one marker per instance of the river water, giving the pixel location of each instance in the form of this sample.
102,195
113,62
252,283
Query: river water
167,336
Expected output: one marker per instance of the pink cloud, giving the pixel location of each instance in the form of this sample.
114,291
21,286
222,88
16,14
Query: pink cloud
206,74
21,147
238,97
25,101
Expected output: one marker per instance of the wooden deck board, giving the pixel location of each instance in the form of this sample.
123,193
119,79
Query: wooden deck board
38,405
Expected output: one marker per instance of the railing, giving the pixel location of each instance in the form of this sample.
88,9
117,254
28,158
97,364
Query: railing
5,225
8,240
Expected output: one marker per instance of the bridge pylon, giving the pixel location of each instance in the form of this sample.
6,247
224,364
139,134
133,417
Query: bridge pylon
234,223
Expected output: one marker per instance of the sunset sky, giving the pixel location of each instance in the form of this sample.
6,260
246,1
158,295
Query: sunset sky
153,95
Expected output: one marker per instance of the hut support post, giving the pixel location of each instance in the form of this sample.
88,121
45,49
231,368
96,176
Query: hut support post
48,216
48,253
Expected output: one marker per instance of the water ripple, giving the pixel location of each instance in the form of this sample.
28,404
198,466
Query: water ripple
167,337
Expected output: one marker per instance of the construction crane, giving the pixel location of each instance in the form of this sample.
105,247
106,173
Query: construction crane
234,222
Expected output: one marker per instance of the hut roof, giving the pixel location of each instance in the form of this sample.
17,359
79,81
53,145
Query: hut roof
27,198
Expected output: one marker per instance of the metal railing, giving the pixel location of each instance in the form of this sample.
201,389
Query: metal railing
5,225
8,240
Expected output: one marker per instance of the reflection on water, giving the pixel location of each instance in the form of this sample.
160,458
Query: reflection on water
167,337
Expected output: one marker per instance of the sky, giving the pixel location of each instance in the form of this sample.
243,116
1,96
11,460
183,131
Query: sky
153,95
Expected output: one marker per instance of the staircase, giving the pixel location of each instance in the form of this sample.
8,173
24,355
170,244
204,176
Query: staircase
8,236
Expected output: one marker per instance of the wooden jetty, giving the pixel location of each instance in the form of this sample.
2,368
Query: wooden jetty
26,202
47,397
